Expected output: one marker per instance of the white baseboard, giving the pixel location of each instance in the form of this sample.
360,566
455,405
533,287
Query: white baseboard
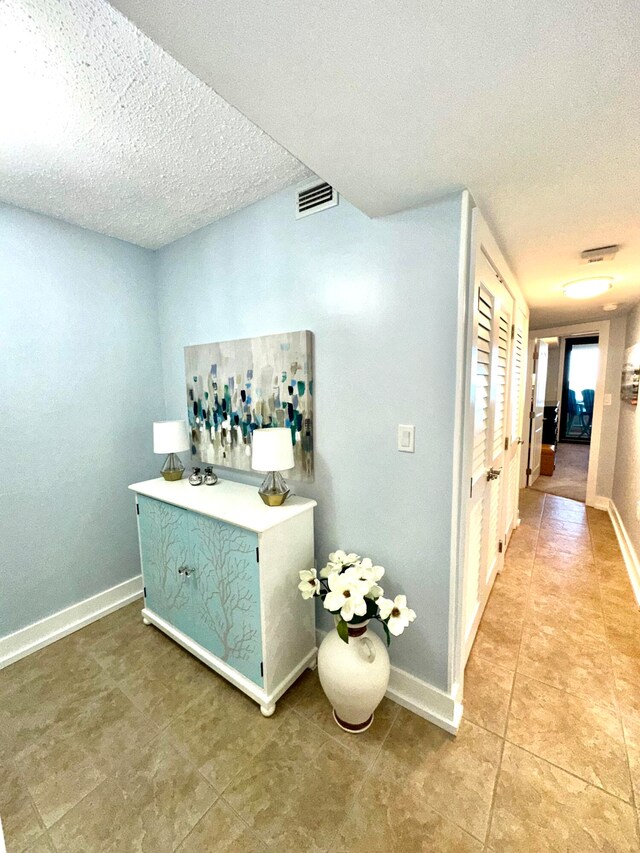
601,503
420,697
33,637
628,551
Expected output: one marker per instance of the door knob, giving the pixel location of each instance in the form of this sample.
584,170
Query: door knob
493,473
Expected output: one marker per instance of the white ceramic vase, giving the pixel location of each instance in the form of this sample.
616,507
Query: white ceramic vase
354,676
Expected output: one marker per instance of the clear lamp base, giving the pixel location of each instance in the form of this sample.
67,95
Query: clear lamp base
274,489
173,469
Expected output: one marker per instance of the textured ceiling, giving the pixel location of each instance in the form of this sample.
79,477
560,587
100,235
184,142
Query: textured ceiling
100,127
532,105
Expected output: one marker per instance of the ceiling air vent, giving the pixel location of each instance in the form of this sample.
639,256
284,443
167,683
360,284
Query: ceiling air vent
312,198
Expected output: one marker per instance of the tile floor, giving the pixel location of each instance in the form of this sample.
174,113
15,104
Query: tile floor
114,739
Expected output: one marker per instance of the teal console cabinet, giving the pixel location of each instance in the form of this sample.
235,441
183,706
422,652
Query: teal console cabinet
220,572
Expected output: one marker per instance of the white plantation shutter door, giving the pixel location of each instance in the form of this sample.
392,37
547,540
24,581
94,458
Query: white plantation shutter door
481,382
512,462
490,381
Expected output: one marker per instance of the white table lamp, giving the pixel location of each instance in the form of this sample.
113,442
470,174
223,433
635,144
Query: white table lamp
171,437
272,452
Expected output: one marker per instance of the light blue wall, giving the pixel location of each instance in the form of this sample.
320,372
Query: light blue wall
80,384
381,299
626,482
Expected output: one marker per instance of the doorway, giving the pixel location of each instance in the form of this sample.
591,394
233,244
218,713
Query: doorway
580,373
568,416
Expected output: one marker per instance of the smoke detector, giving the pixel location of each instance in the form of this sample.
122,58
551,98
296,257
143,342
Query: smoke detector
595,256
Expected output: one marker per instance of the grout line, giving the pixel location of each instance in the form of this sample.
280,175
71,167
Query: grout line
634,801
513,684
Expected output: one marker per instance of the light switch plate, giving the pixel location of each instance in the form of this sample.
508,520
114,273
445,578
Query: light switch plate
406,438
607,399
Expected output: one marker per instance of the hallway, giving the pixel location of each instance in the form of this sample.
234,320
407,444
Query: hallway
555,671
569,479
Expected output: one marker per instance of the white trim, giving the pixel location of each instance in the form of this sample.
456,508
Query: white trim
28,640
600,328
462,446
420,697
600,502
258,694
631,560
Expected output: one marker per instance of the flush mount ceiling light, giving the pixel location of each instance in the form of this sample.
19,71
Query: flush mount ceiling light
587,288
610,306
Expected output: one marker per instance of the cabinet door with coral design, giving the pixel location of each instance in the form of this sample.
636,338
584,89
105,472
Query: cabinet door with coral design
225,594
164,550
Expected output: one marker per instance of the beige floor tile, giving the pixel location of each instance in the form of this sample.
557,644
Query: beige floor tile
513,583
544,604
46,701
59,770
550,610
73,756
221,831
149,805
505,605
623,639
455,774
565,543
131,648
626,672
42,845
222,731
276,792
579,563
540,807
487,691
564,527
20,819
397,818
569,584
570,660
498,642
570,731
165,688
613,598
309,701
624,615
111,727
631,726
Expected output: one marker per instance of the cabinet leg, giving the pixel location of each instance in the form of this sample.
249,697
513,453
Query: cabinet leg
267,710
145,621
314,663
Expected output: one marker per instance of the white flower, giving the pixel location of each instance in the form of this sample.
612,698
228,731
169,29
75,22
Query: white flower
397,612
372,574
338,559
346,594
309,584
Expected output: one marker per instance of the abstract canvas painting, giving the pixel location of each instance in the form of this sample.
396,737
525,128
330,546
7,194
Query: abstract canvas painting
235,387
631,375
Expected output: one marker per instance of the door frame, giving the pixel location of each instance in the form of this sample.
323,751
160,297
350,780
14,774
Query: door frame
564,388
581,330
475,236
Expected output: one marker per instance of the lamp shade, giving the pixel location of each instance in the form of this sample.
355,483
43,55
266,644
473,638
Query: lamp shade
272,449
170,437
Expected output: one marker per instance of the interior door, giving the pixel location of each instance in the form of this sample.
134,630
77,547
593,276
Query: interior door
536,415
516,421
490,389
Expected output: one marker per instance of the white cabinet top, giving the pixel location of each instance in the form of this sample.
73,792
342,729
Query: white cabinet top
234,503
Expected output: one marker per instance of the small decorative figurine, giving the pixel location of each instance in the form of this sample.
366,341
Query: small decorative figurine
196,477
210,479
